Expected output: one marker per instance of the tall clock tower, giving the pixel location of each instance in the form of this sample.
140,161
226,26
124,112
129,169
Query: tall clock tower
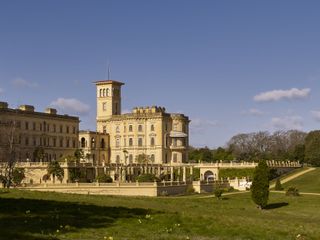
108,100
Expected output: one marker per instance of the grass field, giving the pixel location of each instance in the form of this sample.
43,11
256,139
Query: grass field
309,182
35,215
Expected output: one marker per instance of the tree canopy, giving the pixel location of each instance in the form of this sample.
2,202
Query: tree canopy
312,148
55,169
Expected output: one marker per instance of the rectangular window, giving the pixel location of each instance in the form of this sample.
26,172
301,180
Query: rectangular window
175,157
130,128
27,126
67,128
104,106
60,128
34,126
140,128
140,140
130,142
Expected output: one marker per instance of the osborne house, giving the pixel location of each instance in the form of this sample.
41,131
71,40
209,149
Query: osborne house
123,146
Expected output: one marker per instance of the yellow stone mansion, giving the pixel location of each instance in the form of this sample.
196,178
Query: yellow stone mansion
151,132
122,138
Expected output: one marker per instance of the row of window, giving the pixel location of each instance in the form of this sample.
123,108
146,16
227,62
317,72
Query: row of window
140,142
47,156
140,128
48,142
105,92
84,143
46,127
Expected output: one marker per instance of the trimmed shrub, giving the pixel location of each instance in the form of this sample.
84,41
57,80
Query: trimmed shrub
104,179
146,178
293,192
218,193
190,189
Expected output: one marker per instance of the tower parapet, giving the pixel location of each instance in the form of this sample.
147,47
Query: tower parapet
144,110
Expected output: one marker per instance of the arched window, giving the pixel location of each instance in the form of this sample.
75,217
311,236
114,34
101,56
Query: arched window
152,128
104,93
152,141
140,142
118,159
102,145
100,95
130,142
117,142
117,129
140,128
83,142
108,92
93,143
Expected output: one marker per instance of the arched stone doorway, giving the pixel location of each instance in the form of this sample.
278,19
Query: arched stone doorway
208,176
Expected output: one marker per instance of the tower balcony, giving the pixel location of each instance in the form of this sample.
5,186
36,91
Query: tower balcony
176,147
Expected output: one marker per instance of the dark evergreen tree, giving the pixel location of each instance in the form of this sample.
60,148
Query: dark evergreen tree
260,185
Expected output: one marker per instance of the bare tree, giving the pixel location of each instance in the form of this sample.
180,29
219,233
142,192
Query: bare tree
9,142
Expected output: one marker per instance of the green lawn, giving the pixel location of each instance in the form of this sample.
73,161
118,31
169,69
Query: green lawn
309,182
34,215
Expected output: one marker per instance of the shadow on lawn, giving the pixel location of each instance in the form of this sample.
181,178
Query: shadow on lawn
276,205
31,219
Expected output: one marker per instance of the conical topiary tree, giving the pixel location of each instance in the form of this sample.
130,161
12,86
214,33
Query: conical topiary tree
260,185
278,186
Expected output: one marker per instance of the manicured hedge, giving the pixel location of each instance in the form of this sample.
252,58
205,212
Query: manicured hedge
234,172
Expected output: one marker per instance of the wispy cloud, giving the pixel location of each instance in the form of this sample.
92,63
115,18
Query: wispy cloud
287,123
124,111
22,83
71,105
253,112
316,115
199,125
276,95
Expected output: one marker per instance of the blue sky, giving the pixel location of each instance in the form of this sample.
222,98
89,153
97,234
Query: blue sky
231,66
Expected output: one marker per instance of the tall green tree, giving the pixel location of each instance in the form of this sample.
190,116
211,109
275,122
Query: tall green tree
312,148
56,170
260,185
